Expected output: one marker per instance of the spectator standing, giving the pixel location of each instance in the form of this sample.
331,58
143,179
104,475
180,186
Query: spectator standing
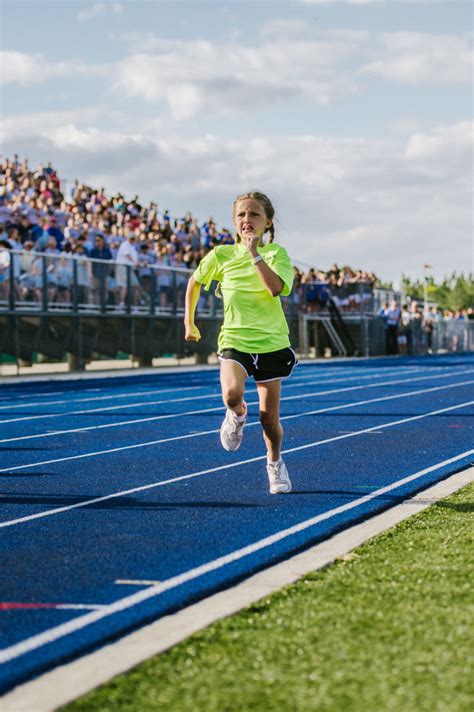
83,273
404,331
146,259
393,320
428,328
55,231
100,272
127,258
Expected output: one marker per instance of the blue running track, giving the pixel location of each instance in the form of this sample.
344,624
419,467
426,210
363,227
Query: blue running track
118,504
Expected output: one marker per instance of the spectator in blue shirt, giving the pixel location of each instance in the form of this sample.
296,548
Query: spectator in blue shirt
100,272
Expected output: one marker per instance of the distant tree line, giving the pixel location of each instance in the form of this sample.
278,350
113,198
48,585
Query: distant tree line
454,292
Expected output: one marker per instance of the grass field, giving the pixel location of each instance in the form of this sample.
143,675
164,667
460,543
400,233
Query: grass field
388,627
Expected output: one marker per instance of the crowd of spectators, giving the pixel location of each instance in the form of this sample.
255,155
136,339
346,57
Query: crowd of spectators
39,215
408,323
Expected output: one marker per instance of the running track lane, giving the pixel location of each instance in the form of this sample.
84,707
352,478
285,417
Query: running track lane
199,534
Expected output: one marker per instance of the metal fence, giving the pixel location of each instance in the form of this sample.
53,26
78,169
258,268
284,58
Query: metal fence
54,304
74,283
451,336
48,282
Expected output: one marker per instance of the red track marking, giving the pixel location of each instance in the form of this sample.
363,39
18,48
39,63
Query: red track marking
10,606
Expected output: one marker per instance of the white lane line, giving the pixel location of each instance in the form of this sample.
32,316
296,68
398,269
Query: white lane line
192,475
208,432
53,634
155,391
69,681
82,429
79,606
134,582
201,433
300,382
38,606
374,432
143,404
372,373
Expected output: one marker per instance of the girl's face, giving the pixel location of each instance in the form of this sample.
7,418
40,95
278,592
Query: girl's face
250,218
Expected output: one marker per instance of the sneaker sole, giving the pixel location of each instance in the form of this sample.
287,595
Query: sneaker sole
281,491
230,449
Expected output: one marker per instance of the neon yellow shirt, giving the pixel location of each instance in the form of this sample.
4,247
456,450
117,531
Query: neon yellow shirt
254,321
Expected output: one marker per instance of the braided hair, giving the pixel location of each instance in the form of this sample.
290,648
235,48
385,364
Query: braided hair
265,202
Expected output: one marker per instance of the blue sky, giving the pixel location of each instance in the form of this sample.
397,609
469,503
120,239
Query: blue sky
355,116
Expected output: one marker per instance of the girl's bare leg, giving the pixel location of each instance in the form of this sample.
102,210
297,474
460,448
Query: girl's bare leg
233,386
269,397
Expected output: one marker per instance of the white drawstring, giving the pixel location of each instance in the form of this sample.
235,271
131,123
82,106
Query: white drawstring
255,360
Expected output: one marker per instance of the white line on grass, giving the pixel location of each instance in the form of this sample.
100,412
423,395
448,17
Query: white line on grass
53,634
167,416
192,475
301,383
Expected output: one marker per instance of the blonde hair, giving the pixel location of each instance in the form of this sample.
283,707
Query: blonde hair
265,202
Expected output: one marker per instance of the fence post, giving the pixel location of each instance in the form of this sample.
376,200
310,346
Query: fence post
365,326
174,292
128,296
75,305
303,334
44,291
103,291
11,286
152,290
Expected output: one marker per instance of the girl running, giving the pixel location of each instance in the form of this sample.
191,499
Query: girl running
253,340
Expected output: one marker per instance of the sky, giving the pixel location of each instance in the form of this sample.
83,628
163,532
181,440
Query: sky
354,116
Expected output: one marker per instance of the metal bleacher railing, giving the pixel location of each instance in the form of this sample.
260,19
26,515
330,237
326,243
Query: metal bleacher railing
342,320
52,283
48,282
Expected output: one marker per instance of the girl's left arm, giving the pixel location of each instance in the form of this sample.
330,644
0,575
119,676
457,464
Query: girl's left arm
272,282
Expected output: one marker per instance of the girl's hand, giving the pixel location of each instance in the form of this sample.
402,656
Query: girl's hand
251,241
192,333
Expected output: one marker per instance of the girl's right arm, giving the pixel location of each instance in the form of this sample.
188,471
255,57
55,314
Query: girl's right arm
193,292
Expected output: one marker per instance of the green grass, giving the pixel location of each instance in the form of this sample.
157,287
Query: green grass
386,628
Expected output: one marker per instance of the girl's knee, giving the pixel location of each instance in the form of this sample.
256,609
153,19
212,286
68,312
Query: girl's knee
232,396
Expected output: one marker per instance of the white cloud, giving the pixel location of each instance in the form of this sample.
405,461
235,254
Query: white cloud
26,69
99,9
292,61
342,2
188,76
443,151
419,58
386,205
372,2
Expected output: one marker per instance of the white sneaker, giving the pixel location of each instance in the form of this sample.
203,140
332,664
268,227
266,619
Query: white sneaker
232,430
280,482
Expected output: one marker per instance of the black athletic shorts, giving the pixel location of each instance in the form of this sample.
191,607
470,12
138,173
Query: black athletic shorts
271,366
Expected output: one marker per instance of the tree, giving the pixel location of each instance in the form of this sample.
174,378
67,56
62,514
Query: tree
454,292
